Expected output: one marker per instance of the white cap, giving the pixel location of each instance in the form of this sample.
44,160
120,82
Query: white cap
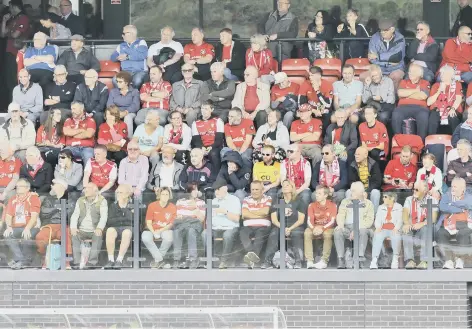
280,77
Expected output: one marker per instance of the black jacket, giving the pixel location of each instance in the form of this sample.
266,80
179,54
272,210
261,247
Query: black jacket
348,135
355,49
84,61
238,58
119,217
327,35
50,211
375,175
42,180
464,18
65,92
75,24
94,100
203,177
343,176
211,91
430,55
238,180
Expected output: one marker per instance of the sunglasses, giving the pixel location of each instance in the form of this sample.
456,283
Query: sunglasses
290,151
267,154
326,153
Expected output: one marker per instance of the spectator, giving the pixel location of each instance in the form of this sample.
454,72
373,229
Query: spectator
22,225
18,132
29,96
119,225
235,174
319,94
165,173
80,131
261,58
284,96
343,135
78,60
463,130
345,220
306,132
198,172
101,172
232,54
93,22
50,138
113,134
126,98
463,18
167,54
387,49
37,172
239,133
455,206
134,169
267,171
367,171
69,171
374,134
225,221
74,23
132,54
186,94
432,175
379,88
178,135
208,134
88,225
9,172
348,92
59,94
256,223
51,22
298,170
445,102
94,95
424,51
160,216
155,96
461,167
15,26
40,60
388,223
400,173
321,222
273,133
252,97
413,94
458,54
200,54
219,90
330,172
279,24
351,29
321,30
150,137
189,223
294,216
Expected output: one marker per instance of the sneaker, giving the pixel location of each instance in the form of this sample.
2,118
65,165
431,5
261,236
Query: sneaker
449,265
18,266
253,257
422,266
373,264
109,265
341,263
11,263
176,265
310,264
266,265
158,265
459,263
362,264
394,265
223,265
118,265
298,265
320,265
194,264
410,265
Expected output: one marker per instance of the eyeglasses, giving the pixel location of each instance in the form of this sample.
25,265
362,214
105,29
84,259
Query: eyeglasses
59,74
133,149
124,33
64,5
417,30
14,111
326,153
63,157
267,154
187,70
290,151
24,186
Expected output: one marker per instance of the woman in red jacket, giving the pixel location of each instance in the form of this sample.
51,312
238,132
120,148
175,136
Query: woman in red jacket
49,139
113,134
261,58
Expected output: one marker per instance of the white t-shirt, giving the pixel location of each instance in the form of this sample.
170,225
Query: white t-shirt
155,49
167,176
147,142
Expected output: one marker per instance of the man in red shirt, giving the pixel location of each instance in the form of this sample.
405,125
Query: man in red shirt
373,134
412,104
239,133
284,97
9,172
80,131
400,172
458,54
307,132
100,171
200,54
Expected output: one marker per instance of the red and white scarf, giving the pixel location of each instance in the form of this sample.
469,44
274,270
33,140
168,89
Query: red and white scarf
430,177
451,219
264,59
296,172
329,178
446,100
414,211
175,136
35,168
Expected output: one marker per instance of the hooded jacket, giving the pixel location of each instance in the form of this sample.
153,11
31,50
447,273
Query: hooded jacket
238,58
375,175
27,134
394,54
238,180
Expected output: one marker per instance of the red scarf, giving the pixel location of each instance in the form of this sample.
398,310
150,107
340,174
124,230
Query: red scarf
429,178
388,225
36,168
335,174
264,59
446,100
414,212
175,136
296,172
451,219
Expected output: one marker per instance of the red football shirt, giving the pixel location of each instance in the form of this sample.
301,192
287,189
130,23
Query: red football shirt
448,97
196,52
238,133
226,53
396,170
84,123
407,84
8,168
306,89
278,92
373,136
148,88
19,23
299,127
251,100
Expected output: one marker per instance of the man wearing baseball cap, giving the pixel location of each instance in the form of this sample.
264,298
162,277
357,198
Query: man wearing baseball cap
284,97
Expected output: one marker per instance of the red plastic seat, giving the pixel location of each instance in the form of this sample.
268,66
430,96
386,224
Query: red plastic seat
296,66
108,82
331,66
440,139
400,140
361,65
108,69
298,80
331,79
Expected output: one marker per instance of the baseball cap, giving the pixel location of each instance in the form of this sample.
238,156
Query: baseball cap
305,108
77,37
280,77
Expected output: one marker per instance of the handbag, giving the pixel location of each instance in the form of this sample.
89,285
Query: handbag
53,253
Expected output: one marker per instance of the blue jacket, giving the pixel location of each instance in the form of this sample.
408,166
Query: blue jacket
47,50
137,54
461,132
446,206
129,102
395,53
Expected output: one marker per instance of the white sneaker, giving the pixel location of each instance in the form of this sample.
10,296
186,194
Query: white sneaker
373,264
449,265
394,265
459,263
310,264
321,265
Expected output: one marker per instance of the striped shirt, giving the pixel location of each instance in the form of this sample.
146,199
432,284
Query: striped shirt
253,205
186,208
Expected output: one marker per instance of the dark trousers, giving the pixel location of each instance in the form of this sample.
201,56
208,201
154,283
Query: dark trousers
222,114
260,234
296,242
260,119
116,156
173,73
435,123
76,78
11,78
215,158
385,113
43,77
229,237
444,238
203,73
50,154
22,250
420,114
95,248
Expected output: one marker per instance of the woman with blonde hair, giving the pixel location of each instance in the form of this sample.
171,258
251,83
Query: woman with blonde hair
150,137
113,134
259,56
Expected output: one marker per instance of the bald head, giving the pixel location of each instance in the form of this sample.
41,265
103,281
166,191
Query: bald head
250,75
362,153
464,34
39,40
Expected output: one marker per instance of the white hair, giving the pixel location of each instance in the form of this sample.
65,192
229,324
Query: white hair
60,68
447,69
219,66
196,151
132,29
14,106
358,185
34,151
167,27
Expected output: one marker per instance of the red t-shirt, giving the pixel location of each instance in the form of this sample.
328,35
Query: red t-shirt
8,168
319,215
315,125
42,137
396,170
448,97
373,136
306,89
226,53
20,209
85,123
238,133
148,88
196,52
208,129
20,23
161,217
104,133
251,100
278,92
407,84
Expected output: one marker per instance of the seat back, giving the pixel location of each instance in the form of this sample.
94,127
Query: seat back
108,69
440,139
295,64
275,65
400,140
330,66
361,65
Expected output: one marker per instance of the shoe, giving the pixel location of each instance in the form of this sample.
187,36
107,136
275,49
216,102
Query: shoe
194,264
158,265
253,257
18,266
459,263
449,265
118,265
410,265
394,265
362,264
176,265
298,265
11,263
223,265
183,265
341,263
422,266
310,264
109,265
266,265
320,265
373,264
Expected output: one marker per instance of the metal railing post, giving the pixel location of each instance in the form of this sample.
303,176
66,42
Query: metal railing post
283,253
63,205
136,235
341,51
429,231
356,217
209,234
92,47
279,54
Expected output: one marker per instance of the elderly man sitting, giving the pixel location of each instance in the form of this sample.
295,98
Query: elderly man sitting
58,94
29,96
461,167
39,60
